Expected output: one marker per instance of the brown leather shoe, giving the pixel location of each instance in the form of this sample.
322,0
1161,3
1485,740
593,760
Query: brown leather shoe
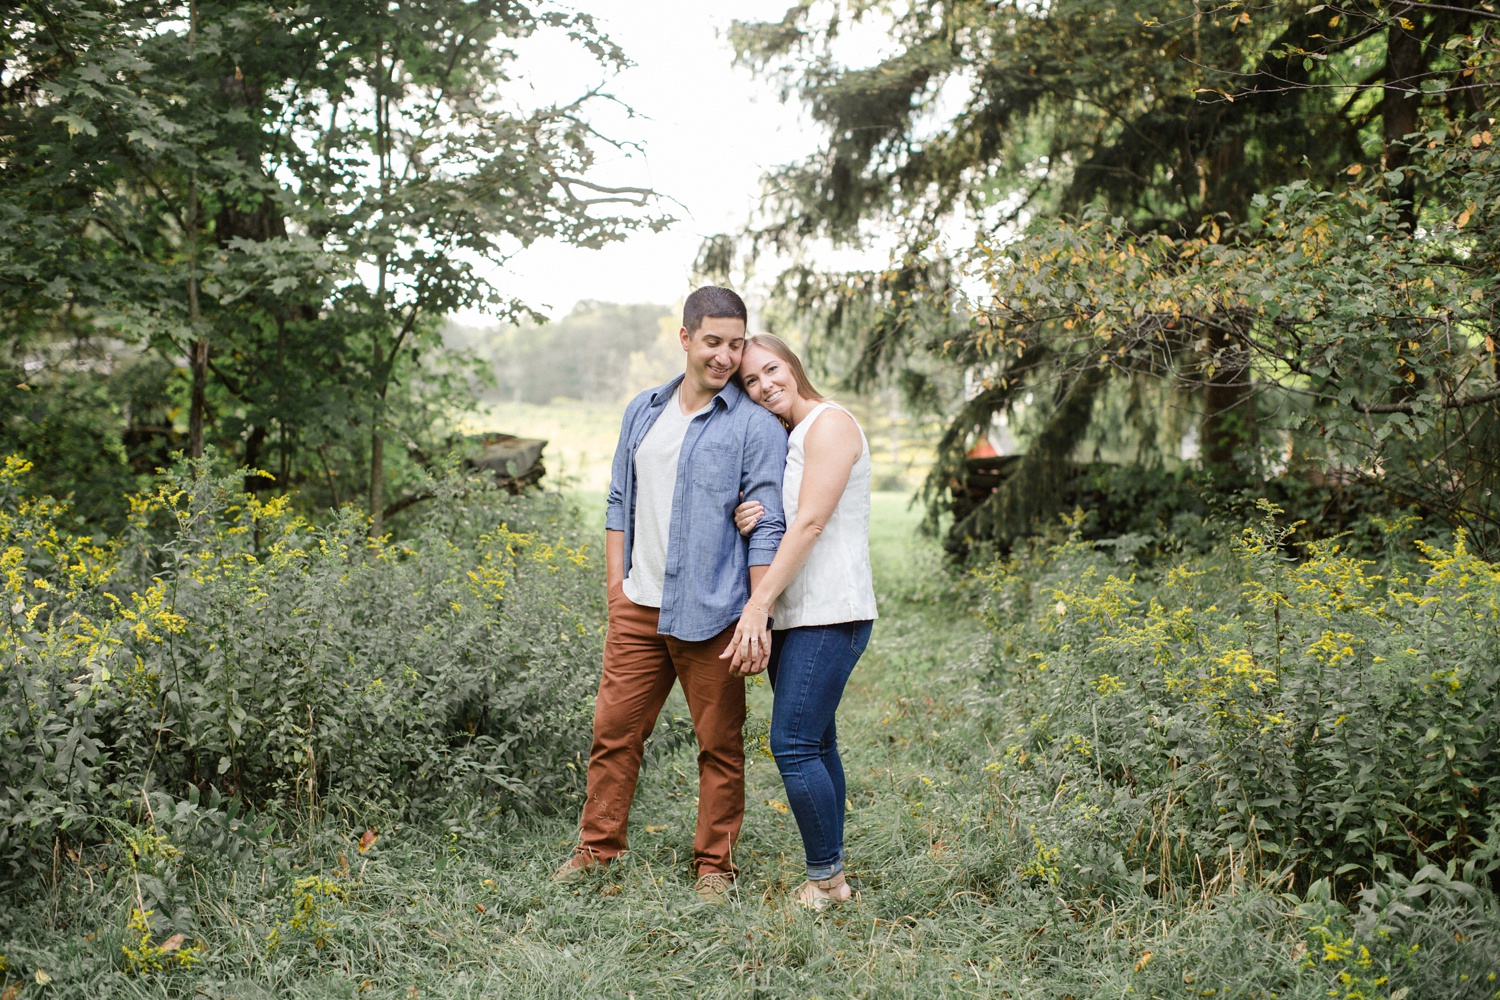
713,886
576,867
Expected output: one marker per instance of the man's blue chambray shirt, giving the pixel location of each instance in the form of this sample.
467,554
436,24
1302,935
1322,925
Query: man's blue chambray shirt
734,447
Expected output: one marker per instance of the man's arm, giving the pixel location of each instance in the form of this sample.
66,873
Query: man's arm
760,480
614,502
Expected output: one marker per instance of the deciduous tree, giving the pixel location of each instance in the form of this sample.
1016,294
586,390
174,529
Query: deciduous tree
288,199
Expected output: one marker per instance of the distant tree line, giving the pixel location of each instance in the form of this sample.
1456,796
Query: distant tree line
599,352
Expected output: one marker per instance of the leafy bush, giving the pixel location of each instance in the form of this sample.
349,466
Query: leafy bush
1243,711
1186,505
1182,507
223,645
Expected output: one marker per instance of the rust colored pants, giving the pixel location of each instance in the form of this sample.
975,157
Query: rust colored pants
640,666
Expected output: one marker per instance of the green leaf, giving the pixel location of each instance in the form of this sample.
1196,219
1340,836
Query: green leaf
76,124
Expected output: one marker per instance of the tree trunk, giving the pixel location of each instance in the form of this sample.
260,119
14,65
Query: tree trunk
1399,102
377,369
377,481
199,399
377,446
1228,416
1398,112
252,459
198,361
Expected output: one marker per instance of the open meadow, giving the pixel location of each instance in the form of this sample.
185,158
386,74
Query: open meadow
1007,834
1181,318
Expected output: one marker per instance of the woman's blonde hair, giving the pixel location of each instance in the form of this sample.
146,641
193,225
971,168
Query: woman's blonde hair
782,350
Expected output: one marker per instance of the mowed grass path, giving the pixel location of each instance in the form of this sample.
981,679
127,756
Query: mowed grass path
953,893
639,930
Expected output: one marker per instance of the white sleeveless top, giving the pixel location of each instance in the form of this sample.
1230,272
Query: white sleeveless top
835,584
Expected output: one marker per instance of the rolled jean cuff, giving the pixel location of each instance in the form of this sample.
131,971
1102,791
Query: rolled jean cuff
817,873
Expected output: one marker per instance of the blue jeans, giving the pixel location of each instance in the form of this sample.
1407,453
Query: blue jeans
809,667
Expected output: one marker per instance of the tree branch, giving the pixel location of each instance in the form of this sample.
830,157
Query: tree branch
627,195
1447,404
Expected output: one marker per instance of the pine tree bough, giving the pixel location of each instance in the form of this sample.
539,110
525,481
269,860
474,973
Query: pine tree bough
1208,229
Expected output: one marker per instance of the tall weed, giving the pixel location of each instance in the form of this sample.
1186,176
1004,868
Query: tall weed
224,647
1304,718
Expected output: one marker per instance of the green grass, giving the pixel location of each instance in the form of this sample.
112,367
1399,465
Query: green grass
953,896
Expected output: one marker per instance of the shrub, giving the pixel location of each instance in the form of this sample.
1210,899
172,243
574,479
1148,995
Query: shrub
1183,507
223,645
1240,710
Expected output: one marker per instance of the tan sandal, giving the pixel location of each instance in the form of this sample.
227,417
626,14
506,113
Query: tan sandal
815,894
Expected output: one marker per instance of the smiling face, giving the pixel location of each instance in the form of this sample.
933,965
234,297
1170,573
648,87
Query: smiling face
770,382
713,353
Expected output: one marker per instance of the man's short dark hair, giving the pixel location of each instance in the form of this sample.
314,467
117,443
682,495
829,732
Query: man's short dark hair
711,301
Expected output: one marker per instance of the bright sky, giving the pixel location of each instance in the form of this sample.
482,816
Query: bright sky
709,132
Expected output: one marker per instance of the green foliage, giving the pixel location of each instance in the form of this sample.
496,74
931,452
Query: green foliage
1304,720
227,648
285,202
951,848
71,425
1374,352
1147,512
1049,106
994,113
1428,935
1192,235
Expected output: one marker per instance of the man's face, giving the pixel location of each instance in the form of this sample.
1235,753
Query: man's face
713,352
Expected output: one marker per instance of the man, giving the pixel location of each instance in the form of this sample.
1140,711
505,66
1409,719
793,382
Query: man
678,577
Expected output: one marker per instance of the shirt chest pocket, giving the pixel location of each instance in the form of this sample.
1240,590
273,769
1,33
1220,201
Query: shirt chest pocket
714,468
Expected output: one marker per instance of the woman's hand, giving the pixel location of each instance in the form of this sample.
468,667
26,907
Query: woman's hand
749,651
747,515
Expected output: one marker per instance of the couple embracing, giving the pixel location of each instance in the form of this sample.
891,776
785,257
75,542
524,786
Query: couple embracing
739,501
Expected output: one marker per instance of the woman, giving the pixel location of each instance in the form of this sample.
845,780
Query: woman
824,601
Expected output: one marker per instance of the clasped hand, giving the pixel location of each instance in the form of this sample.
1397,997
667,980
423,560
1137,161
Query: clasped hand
749,651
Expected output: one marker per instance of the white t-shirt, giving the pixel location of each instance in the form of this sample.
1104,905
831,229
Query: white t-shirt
656,482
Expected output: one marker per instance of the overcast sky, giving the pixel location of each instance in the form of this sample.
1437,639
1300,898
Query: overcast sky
709,132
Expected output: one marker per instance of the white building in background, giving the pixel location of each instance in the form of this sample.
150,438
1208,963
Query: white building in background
999,435
1187,448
